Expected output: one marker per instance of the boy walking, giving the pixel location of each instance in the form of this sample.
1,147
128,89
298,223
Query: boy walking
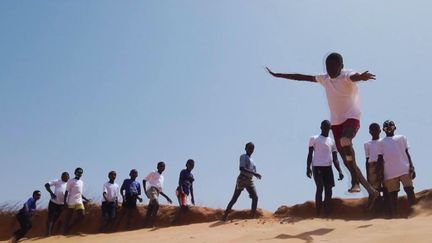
24,217
244,180
155,182
74,201
344,103
322,151
398,166
185,188
56,204
110,196
372,150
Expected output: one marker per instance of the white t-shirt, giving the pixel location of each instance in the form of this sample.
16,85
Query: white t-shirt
112,192
75,190
372,150
342,96
396,161
154,179
323,149
59,191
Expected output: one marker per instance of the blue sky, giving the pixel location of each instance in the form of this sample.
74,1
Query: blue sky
110,85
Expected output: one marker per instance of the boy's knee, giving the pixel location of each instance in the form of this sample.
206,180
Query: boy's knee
345,142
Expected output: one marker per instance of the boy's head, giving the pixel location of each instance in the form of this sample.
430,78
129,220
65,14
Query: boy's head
249,147
389,127
374,130
190,164
65,176
78,172
325,126
112,175
133,174
161,166
334,64
36,195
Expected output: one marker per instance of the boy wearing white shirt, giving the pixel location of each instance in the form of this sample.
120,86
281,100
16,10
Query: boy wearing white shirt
56,204
398,166
155,182
110,196
322,151
74,201
344,103
371,151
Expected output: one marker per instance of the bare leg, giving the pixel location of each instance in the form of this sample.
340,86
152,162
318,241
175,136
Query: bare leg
253,195
231,203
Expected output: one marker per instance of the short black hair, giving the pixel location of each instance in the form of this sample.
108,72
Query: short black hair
249,144
79,169
36,192
161,163
190,161
334,56
112,172
389,123
374,124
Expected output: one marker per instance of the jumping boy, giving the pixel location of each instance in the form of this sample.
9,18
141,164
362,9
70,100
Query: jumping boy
130,191
185,187
398,166
322,151
74,200
110,197
155,182
344,103
56,204
244,180
24,217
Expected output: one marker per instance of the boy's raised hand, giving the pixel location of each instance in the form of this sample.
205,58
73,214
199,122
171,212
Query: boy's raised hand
366,76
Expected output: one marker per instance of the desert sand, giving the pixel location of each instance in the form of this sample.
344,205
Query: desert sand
349,223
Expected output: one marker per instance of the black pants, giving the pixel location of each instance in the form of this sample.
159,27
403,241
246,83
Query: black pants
109,210
54,211
25,223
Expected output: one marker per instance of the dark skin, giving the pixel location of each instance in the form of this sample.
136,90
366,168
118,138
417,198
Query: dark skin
77,177
390,133
133,175
160,168
333,70
64,178
374,131
249,151
111,177
325,130
189,167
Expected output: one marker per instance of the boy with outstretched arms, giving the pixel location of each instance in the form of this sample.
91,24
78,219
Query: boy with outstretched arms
110,197
322,151
397,166
152,190
344,103
185,187
24,217
244,180
56,204
74,200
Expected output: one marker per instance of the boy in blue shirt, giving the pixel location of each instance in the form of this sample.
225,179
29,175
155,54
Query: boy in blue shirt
130,191
185,188
24,216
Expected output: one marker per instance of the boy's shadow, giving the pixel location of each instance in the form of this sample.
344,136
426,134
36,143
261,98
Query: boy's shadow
306,236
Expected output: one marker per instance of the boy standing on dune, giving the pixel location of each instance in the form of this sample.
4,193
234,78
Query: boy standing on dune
398,166
56,204
344,103
110,198
322,151
155,182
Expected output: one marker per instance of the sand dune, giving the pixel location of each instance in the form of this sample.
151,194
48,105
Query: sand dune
293,224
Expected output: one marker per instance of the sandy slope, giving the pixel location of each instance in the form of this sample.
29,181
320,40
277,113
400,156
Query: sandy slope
349,223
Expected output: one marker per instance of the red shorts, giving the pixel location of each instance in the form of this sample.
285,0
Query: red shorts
182,198
348,128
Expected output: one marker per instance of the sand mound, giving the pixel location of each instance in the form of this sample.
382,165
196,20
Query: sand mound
346,209
92,221
355,209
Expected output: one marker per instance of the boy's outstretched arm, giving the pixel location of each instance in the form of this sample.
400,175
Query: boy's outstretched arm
337,165
309,162
166,197
365,76
411,169
292,76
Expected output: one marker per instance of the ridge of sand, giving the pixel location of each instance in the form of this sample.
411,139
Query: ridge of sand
295,224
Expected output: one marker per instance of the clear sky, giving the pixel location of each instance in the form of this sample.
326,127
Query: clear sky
116,85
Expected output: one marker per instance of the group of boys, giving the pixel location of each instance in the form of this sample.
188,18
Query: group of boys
68,195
